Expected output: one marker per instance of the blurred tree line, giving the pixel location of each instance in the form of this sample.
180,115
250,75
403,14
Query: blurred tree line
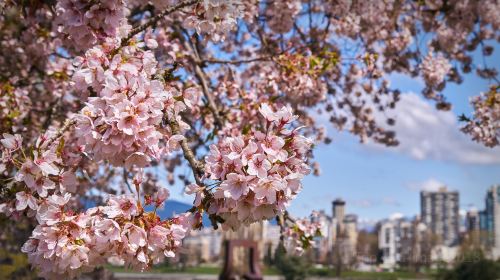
13,263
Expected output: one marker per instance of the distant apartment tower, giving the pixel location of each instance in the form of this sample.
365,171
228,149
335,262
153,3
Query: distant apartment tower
339,236
402,241
439,211
472,221
338,209
490,220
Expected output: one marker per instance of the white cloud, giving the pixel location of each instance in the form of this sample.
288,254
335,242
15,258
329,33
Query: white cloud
426,133
396,216
430,185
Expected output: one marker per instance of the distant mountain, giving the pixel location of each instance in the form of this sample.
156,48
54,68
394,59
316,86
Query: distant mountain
367,225
173,207
170,209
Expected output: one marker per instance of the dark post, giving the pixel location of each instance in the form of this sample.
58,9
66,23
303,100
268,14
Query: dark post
228,272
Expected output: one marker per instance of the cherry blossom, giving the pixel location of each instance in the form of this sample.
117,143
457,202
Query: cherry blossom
300,235
485,125
121,125
268,177
215,18
79,242
435,69
11,142
86,24
24,200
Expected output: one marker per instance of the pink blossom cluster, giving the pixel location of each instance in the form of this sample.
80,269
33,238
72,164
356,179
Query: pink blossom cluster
300,235
60,71
434,69
65,244
169,49
35,172
281,14
259,171
295,81
121,122
299,78
158,4
40,176
449,38
485,124
215,18
10,144
87,23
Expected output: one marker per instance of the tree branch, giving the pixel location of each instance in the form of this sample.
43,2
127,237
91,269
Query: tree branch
125,178
196,166
200,74
236,62
157,18
67,124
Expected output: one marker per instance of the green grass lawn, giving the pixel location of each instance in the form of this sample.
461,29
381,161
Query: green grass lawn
190,270
380,275
272,271
367,275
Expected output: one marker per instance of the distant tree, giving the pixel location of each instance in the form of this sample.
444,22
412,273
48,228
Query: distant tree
268,258
473,266
367,245
380,256
290,266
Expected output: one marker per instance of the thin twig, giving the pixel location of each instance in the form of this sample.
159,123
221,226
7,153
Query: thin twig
67,124
219,61
200,74
157,18
125,178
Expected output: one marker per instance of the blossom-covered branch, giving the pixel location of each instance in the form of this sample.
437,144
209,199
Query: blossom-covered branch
94,109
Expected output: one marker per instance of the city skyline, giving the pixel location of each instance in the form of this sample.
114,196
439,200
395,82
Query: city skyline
437,234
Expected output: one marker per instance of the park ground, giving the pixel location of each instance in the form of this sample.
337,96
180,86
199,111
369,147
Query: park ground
211,273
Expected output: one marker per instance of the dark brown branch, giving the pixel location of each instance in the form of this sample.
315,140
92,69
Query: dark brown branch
198,171
236,62
196,166
281,222
125,178
289,218
67,124
157,18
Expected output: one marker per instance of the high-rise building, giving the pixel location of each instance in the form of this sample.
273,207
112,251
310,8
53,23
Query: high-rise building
440,212
490,221
351,229
337,245
472,222
338,212
472,234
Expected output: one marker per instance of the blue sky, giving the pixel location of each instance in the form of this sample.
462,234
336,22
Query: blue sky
377,181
